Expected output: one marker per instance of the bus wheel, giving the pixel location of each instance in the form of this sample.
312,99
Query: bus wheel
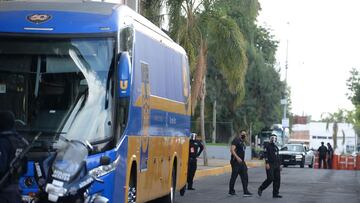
132,188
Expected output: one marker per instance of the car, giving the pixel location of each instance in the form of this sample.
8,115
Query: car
296,154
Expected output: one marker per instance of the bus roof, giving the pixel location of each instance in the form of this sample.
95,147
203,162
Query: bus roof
65,6
67,17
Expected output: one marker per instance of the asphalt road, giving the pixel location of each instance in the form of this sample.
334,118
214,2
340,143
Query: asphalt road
303,185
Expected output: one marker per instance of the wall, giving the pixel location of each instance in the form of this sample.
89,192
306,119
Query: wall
223,152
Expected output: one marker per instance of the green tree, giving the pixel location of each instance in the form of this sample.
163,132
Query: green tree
205,31
151,9
232,60
353,84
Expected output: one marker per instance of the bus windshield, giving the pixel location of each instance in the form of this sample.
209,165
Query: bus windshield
57,86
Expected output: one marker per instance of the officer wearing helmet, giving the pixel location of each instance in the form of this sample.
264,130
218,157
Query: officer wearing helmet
273,168
195,149
11,145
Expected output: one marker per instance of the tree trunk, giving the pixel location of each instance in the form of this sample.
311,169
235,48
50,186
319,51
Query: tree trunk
199,75
214,123
202,118
335,132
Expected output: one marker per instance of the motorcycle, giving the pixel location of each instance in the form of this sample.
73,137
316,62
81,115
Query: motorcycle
63,176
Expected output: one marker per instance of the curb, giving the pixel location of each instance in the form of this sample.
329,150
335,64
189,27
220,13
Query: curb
213,171
223,169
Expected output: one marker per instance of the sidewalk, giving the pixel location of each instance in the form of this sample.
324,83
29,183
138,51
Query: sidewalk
220,166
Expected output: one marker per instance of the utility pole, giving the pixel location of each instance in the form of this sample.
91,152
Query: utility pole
284,101
286,69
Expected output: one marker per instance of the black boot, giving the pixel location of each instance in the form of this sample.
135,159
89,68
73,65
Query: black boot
277,196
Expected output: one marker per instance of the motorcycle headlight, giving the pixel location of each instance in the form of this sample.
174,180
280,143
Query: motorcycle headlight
104,169
55,190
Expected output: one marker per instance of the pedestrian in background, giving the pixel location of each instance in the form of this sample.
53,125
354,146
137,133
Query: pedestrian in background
330,153
238,165
273,168
11,145
322,155
195,149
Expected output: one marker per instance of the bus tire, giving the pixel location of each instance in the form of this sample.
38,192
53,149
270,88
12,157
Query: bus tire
132,185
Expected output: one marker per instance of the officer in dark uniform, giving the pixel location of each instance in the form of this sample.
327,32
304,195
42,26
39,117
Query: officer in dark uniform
195,149
322,155
330,154
11,145
238,165
273,168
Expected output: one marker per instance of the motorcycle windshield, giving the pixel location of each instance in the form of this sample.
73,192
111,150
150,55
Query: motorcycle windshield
69,160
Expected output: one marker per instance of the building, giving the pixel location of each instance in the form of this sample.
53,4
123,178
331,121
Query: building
314,133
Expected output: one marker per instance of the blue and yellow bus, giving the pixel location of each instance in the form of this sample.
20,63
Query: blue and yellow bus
98,72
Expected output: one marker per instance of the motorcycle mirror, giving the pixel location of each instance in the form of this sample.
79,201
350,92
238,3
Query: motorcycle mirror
105,160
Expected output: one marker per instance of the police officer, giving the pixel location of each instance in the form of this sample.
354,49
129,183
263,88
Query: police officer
322,155
238,165
330,154
273,168
11,145
195,149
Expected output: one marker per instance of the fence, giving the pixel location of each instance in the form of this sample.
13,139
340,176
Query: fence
224,132
342,162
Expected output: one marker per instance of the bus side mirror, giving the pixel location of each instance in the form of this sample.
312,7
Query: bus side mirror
124,74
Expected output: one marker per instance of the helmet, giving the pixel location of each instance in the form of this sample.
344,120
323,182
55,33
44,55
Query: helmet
193,136
273,138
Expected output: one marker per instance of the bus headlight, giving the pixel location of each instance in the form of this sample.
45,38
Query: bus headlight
104,169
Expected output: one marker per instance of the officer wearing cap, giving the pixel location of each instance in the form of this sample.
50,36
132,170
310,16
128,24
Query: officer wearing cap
195,149
11,145
273,168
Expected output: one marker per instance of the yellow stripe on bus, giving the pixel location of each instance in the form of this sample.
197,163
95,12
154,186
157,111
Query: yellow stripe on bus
168,105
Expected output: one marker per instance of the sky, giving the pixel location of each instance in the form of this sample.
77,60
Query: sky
323,46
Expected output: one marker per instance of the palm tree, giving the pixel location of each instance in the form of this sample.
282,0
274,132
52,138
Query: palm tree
203,30
335,118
